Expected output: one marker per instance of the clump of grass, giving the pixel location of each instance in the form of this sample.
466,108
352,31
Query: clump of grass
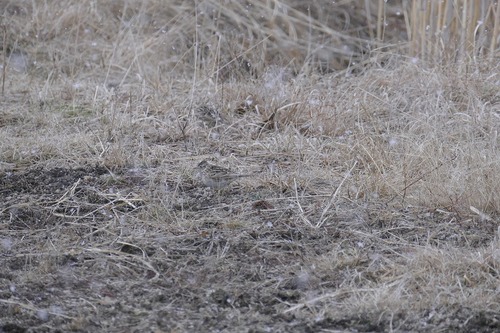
445,32
372,159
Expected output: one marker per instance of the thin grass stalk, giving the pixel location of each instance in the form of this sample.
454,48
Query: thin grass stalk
496,31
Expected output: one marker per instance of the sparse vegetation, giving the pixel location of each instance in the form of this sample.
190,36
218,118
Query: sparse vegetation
368,130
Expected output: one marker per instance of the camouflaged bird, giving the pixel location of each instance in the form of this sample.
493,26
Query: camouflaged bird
215,176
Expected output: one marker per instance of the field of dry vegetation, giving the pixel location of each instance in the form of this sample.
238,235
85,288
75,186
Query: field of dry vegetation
368,131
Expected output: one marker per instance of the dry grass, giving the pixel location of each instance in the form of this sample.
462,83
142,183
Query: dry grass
454,31
374,199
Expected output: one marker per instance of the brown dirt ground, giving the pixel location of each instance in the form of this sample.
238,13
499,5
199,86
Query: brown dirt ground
240,275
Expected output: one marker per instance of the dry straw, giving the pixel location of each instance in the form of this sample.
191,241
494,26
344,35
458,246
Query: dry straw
454,30
373,200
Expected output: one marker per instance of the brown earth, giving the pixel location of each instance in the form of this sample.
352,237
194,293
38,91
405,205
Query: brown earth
242,273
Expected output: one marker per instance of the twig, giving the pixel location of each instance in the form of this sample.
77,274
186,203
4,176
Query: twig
333,196
302,214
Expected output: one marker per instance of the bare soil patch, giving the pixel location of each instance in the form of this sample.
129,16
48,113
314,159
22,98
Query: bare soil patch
242,272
